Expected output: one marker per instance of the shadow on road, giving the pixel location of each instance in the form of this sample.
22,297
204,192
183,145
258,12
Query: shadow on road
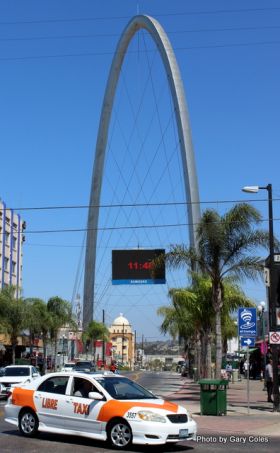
62,442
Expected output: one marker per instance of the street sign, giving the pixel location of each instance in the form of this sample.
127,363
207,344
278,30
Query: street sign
274,337
247,342
247,322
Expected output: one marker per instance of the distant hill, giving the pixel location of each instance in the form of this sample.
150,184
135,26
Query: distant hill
160,347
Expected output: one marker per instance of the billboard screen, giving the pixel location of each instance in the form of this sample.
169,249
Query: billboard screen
131,267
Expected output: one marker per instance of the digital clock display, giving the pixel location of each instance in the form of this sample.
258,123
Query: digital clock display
136,267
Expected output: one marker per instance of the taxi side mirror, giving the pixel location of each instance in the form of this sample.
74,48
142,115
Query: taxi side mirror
95,396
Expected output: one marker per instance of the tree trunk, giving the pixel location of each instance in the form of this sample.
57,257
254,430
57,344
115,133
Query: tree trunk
44,355
13,353
208,354
198,359
31,345
202,372
14,342
217,304
55,351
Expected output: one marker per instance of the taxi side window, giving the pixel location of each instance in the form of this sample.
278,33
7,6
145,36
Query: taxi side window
55,384
82,387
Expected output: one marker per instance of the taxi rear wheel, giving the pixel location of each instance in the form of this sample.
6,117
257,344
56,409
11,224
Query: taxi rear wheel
119,434
28,423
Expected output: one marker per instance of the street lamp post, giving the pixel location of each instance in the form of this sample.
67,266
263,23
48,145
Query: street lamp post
272,303
261,308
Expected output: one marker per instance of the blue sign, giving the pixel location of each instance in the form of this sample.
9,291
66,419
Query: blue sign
247,342
247,322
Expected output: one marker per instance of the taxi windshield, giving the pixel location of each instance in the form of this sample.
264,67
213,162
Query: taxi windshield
124,389
17,371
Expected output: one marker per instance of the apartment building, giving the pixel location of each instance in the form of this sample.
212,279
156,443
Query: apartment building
11,241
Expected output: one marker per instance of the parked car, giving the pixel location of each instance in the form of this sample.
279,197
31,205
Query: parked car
14,375
67,366
179,365
102,406
185,369
84,365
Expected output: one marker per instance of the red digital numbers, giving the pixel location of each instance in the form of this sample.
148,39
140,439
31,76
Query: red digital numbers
136,266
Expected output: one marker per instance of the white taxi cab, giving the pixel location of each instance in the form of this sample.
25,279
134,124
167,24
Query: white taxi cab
102,406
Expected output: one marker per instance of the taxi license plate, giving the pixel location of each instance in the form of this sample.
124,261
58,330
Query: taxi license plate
183,433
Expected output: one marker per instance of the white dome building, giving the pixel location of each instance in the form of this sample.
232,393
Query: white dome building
122,339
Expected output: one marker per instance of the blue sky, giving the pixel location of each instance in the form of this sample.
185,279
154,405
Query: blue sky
54,62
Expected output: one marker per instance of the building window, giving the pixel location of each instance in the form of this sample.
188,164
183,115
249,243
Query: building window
14,267
14,242
7,238
8,220
6,264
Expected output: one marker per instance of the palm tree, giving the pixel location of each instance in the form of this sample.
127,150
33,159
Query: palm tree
13,316
33,321
199,314
39,322
225,247
192,314
94,331
60,314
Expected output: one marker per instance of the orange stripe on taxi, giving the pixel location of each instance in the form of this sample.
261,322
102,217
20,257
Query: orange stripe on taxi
115,408
23,397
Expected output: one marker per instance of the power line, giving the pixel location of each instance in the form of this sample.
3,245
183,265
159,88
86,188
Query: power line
124,227
130,52
170,32
188,13
135,205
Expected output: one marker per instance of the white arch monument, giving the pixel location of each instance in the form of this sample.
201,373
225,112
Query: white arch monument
184,133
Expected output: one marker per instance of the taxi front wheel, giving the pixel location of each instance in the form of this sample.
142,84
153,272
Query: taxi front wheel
119,433
28,423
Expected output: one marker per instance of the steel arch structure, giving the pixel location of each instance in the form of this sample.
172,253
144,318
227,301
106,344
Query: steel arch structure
184,132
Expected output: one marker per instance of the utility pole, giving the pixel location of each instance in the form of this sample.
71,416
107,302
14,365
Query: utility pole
142,355
273,299
122,341
103,340
135,348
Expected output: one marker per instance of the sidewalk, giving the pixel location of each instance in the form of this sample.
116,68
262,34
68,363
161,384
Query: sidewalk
259,420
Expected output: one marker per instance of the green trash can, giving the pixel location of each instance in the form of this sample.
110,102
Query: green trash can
213,396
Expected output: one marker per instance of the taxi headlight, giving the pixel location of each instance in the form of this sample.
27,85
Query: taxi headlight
190,417
149,416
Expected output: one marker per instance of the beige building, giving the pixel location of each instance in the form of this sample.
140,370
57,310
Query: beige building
11,240
122,339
